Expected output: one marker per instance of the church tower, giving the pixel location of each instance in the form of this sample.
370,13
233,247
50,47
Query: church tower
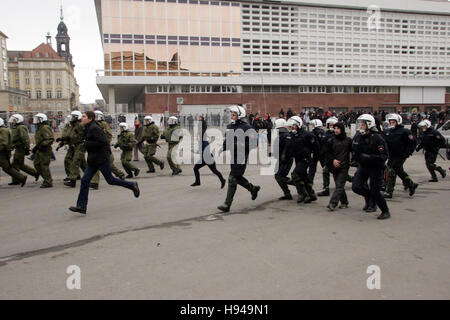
63,41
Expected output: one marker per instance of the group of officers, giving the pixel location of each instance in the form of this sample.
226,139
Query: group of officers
376,155
73,136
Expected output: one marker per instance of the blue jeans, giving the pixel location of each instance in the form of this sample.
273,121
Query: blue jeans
90,171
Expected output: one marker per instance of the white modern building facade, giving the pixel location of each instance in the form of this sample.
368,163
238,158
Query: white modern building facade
338,55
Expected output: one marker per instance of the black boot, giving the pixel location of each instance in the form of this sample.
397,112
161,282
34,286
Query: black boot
255,191
324,193
223,182
77,210
71,183
433,179
412,189
286,197
136,172
384,215
195,184
93,186
151,171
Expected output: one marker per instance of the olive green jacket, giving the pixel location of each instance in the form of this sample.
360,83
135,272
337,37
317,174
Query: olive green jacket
20,137
167,135
5,140
150,134
44,136
126,141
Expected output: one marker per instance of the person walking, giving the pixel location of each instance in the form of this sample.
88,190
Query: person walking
205,153
126,142
338,150
137,135
21,145
98,159
5,155
42,150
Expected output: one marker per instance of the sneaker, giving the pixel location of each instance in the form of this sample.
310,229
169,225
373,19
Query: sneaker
77,210
412,190
286,197
384,215
65,179
136,190
224,208
255,192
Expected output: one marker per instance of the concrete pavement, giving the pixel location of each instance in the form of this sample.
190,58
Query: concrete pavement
172,244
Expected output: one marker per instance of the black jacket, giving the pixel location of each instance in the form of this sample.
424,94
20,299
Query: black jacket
370,150
96,144
303,147
431,141
400,141
240,139
338,149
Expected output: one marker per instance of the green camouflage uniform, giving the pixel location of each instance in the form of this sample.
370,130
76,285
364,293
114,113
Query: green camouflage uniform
116,171
5,154
167,135
43,152
150,134
126,143
76,142
21,145
69,155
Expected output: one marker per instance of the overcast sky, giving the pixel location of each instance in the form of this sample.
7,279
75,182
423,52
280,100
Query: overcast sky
26,23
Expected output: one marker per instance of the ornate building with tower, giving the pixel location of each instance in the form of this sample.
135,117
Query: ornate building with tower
46,75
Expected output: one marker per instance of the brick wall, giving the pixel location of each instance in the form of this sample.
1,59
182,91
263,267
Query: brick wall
155,103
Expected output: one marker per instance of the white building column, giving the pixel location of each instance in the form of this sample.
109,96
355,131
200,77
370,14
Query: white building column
112,100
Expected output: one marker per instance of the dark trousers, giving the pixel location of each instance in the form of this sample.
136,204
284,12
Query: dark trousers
370,193
340,178
90,171
211,167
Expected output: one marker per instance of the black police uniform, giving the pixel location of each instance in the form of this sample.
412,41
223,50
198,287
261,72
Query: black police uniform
304,148
401,145
370,152
320,135
284,167
239,163
431,142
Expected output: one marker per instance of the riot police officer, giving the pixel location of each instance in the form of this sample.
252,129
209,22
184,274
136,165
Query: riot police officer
284,167
320,134
401,145
126,142
304,148
238,140
100,119
172,142
150,134
76,143
326,172
21,145
64,140
42,150
370,152
431,142
5,154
